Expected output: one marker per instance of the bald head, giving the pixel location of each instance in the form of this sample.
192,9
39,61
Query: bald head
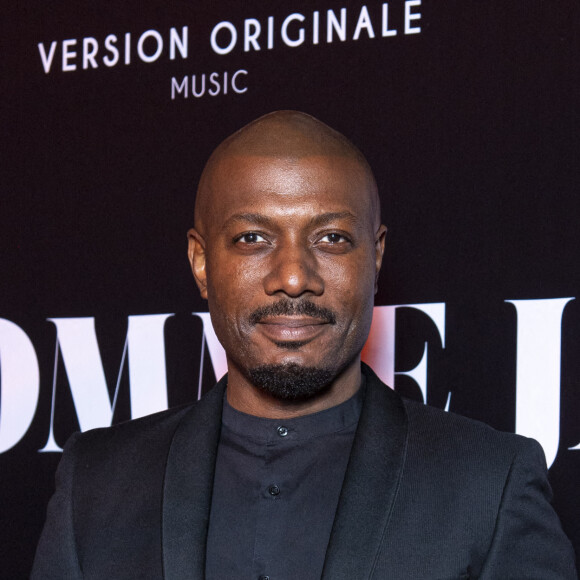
283,135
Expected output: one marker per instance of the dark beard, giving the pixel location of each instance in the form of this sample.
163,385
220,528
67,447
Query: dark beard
290,382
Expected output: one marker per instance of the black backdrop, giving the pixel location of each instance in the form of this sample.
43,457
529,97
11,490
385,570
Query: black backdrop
470,120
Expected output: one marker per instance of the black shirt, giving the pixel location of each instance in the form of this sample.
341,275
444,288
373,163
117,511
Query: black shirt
275,493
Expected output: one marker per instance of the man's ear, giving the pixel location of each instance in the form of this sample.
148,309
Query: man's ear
196,255
379,251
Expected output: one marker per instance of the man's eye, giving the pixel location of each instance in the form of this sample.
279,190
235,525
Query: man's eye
333,238
250,238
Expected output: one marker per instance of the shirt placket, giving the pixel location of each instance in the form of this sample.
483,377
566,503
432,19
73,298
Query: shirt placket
272,505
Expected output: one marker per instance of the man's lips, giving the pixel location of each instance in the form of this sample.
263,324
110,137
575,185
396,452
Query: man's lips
291,328
290,324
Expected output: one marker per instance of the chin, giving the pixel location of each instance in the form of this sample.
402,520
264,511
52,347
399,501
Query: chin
290,380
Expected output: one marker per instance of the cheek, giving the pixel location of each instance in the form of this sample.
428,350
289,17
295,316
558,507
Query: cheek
351,281
352,288
231,286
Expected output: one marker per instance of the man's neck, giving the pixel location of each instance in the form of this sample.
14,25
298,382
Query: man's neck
247,398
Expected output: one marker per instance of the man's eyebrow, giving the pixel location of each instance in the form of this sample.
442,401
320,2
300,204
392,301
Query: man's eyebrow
252,218
316,220
326,218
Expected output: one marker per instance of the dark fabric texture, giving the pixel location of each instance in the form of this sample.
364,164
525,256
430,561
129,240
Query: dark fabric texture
275,492
426,495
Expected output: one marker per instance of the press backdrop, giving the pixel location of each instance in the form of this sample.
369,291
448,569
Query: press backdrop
468,113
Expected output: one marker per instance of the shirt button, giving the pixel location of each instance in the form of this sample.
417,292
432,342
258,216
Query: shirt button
282,431
274,490
264,578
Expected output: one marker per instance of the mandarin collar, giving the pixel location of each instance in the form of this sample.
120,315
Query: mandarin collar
326,422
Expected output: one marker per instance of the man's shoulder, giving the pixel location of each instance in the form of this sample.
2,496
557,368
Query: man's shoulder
441,433
433,431
433,419
143,435
149,427
465,456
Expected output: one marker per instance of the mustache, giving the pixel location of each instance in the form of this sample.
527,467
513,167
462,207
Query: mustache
286,307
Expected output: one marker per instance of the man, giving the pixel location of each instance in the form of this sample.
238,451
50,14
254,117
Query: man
298,465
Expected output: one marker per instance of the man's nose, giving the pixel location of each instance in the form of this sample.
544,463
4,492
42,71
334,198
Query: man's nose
293,271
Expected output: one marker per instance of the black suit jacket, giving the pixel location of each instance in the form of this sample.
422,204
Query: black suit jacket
426,495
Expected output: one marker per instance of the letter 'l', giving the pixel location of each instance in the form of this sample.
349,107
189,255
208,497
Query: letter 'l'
539,340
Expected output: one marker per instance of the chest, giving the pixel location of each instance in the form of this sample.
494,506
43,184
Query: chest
274,503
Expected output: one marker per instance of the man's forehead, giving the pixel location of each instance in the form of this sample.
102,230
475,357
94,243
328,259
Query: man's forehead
284,170
287,153
289,193
318,180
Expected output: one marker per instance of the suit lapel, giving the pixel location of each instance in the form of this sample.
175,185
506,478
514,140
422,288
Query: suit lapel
370,485
188,488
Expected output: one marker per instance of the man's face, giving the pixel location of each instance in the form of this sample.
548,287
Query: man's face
292,252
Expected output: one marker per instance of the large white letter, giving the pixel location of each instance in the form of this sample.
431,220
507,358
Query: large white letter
19,384
82,360
379,350
147,373
539,340
436,312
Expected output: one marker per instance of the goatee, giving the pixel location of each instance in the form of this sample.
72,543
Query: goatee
291,381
